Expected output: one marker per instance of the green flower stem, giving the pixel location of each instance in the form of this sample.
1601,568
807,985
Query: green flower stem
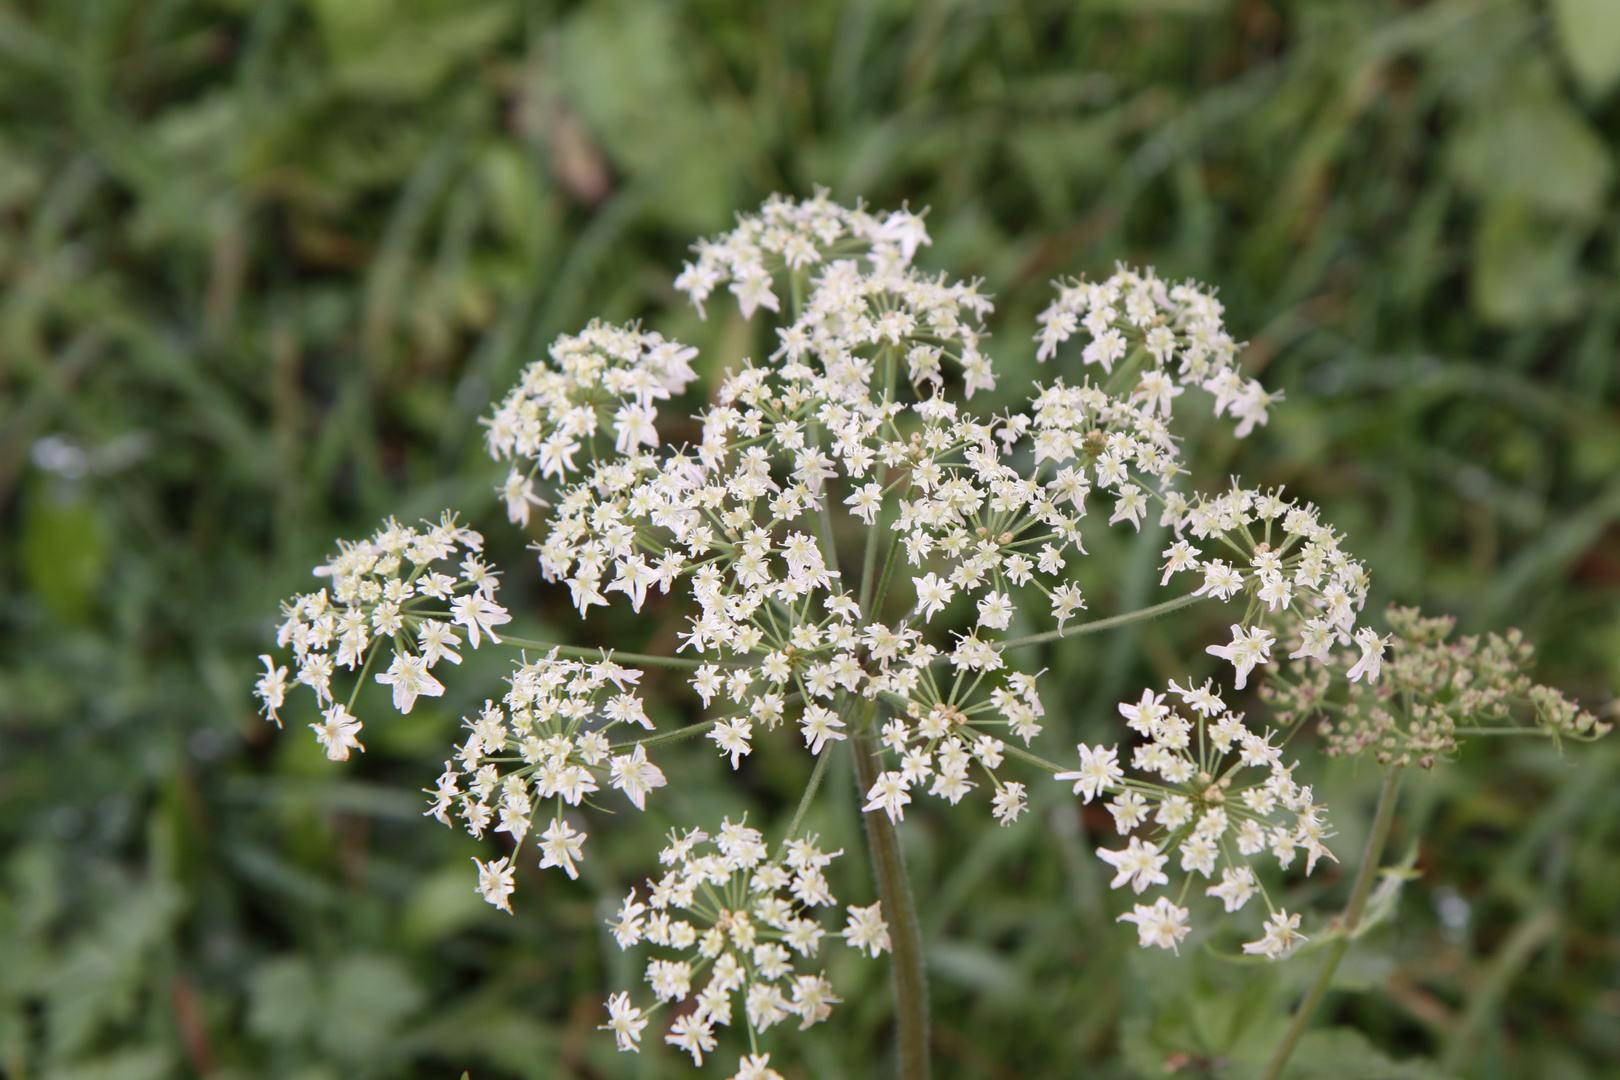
905,934
585,653
805,800
829,547
666,737
1104,624
883,581
869,560
869,567
1500,731
360,679
1033,759
1516,951
1349,923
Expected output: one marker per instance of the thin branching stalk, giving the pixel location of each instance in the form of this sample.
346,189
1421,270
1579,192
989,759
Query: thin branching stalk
1349,923
1103,624
665,737
809,796
586,653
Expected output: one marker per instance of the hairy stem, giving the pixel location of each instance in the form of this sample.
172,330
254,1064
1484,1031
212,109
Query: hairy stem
1349,923
905,934
1105,624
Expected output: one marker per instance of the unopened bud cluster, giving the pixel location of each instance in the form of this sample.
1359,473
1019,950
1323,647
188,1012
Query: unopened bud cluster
1435,692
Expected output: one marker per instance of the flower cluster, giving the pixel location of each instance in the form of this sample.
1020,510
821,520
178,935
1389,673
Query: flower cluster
1209,790
554,736
1282,559
855,552
739,922
1131,311
1434,692
796,236
606,373
390,588
966,523
984,512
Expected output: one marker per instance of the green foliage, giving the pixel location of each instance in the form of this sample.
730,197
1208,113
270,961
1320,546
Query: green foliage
1589,33
263,264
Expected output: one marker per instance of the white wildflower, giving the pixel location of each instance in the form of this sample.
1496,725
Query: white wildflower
1372,655
338,731
1162,923
867,930
409,677
625,1021
1282,931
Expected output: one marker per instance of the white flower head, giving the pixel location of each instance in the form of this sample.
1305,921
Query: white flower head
338,732
969,523
1138,865
409,677
272,688
561,846
755,1067
1099,771
495,882
626,1022
1372,655
866,930
1282,932
1161,923
1250,646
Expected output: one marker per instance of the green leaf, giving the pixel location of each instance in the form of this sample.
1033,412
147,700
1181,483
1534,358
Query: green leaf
976,967
1589,34
1524,267
504,1037
94,986
1526,141
149,1063
443,903
623,69
1345,1054
367,997
404,48
64,549
283,999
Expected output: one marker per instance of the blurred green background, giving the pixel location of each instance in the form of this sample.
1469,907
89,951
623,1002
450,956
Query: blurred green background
263,264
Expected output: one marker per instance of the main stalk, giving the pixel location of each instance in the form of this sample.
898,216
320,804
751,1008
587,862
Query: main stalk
1349,924
905,934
